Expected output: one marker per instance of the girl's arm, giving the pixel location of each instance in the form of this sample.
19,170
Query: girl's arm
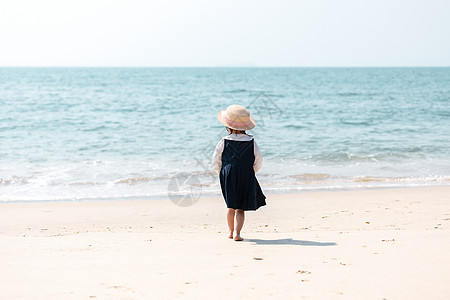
217,157
258,158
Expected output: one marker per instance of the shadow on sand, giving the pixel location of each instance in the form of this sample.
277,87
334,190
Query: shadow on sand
288,242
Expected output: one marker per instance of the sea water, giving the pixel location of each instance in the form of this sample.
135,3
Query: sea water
125,133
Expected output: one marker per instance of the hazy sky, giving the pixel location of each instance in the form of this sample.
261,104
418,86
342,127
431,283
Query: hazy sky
225,33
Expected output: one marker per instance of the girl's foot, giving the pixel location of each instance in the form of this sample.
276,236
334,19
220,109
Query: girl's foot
238,238
230,236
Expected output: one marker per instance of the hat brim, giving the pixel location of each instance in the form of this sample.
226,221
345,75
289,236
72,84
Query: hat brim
230,124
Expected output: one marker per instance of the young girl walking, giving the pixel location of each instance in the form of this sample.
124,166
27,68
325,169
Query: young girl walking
237,158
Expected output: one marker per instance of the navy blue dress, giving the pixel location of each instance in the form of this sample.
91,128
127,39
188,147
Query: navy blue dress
240,188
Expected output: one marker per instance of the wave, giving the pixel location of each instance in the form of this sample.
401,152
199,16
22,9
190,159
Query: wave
88,183
306,182
346,157
357,122
443,113
412,179
310,177
348,94
96,128
134,180
236,91
14,180
55,188
294,126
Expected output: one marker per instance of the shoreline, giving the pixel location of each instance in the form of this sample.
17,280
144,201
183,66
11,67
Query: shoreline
269,191
369,244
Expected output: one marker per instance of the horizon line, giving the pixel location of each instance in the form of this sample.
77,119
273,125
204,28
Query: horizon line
219,66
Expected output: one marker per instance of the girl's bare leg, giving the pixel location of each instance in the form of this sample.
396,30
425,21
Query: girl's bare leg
240,218
230,220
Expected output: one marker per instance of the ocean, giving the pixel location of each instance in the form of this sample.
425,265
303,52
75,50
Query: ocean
144,133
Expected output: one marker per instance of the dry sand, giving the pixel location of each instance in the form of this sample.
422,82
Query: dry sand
374,244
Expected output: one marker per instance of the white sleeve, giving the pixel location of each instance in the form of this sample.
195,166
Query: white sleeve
258,158
217,157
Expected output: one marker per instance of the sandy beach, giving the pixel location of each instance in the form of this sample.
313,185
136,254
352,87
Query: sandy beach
372,244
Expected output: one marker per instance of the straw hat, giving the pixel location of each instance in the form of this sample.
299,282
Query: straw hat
236,117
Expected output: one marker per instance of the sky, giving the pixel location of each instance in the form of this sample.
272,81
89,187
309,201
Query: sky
230,33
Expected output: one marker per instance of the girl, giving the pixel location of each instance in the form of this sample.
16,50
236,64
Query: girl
237,159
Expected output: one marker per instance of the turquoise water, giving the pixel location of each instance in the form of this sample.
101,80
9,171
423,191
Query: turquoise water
89,133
